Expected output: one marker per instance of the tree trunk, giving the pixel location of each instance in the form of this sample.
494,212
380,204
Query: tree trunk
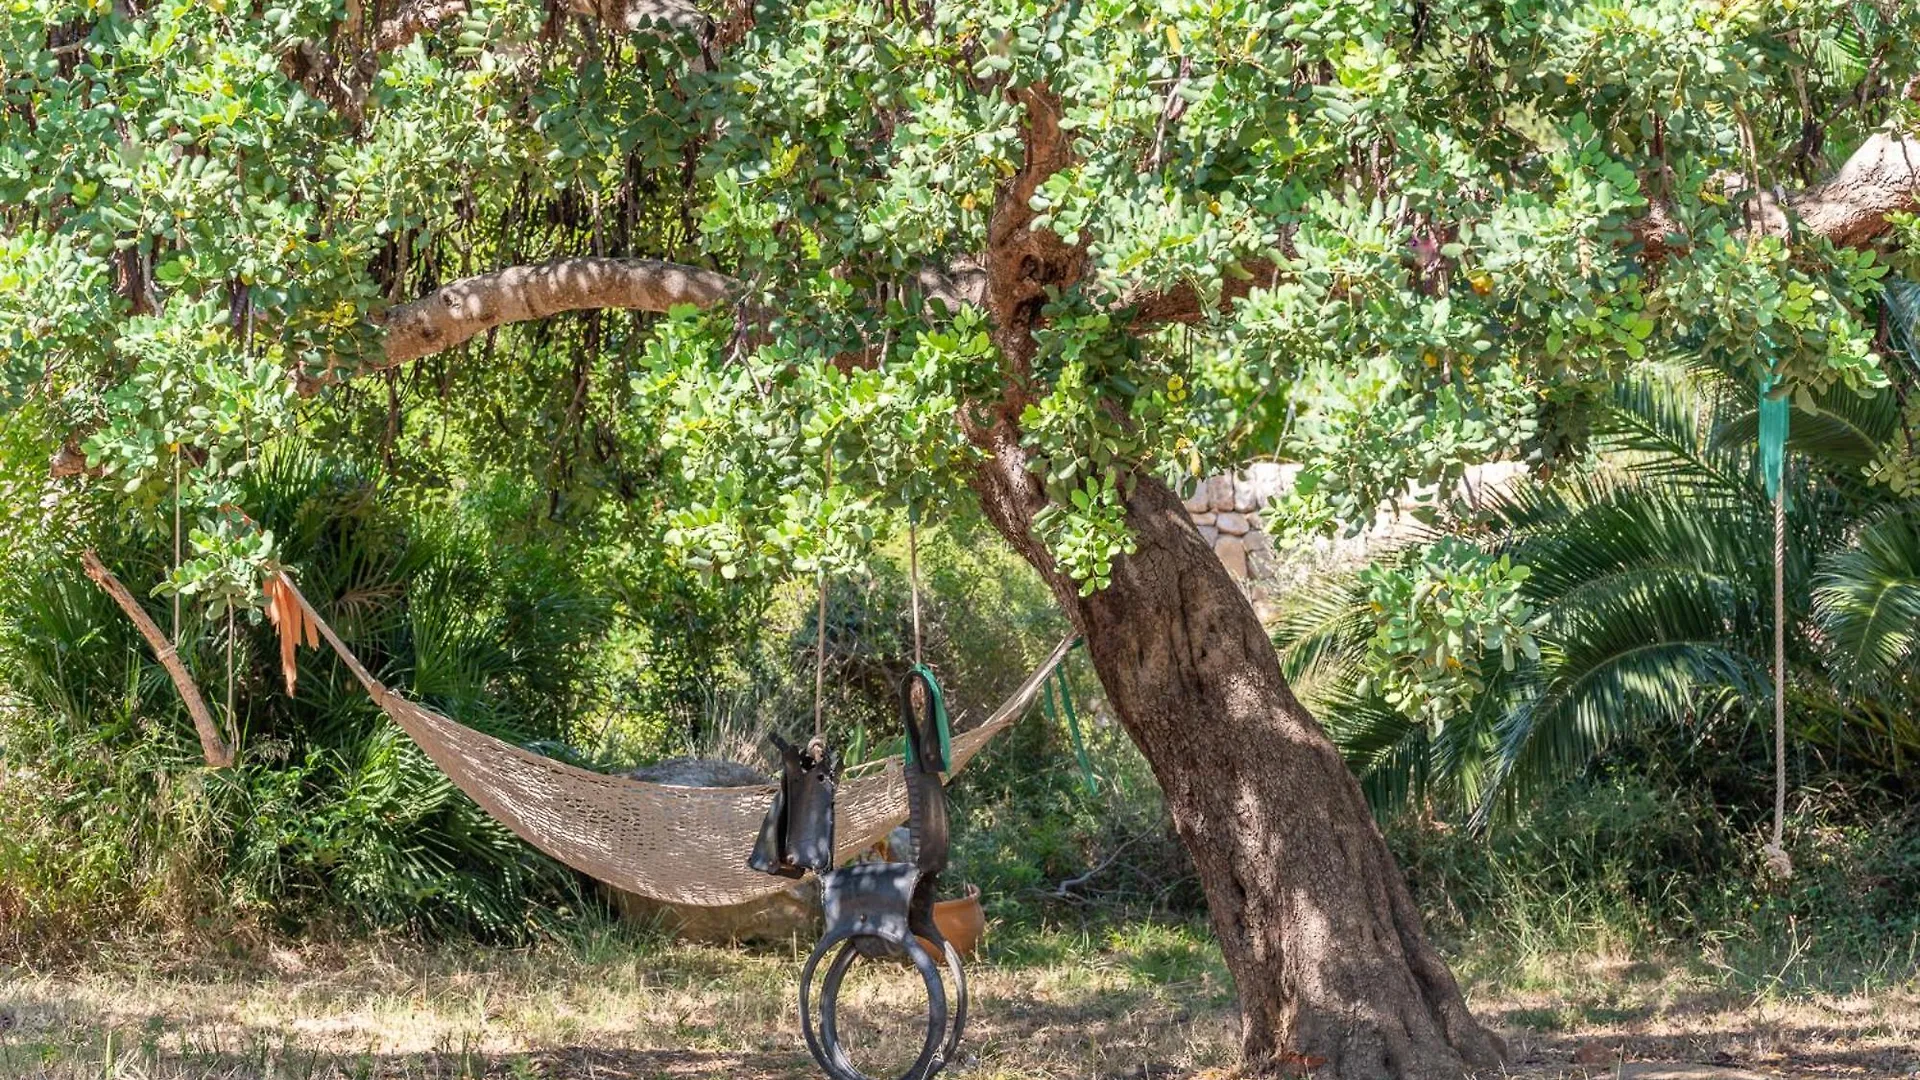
1335,975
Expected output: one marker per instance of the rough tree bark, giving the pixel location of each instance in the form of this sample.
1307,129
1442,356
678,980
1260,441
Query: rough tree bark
1334,973
455,313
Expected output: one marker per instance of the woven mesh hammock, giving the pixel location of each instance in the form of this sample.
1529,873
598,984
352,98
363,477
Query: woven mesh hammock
682,845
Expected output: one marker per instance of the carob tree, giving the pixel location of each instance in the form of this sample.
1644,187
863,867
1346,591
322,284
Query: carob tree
1063,255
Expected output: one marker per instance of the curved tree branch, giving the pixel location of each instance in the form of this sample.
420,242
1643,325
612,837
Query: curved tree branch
1851,207
218,754
457,312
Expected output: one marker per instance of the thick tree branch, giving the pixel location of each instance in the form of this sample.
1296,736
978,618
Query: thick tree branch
414,18
1182,302
218,754
70,460
1851,207
1020,262
457,312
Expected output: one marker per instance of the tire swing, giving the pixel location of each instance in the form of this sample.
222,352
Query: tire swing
876,910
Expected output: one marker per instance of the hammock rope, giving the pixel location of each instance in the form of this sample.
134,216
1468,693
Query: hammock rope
682,845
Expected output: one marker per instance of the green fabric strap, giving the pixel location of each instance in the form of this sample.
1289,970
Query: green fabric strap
1776,407
939,722
1073,727
1053,716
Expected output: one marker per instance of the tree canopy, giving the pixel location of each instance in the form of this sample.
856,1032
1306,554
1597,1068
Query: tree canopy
1387,241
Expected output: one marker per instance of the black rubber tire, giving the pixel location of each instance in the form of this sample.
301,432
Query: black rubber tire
824,1043
957,1007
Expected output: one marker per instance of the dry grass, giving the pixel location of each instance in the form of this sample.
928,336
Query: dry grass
1595,1015
609,1006
1146,1002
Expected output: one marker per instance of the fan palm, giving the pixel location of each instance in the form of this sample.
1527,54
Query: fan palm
1654,568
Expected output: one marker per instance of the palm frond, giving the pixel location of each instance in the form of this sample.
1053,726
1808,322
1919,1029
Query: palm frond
1867,596
1903,316
1660,426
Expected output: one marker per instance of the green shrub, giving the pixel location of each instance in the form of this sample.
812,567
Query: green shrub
108,818
1639,861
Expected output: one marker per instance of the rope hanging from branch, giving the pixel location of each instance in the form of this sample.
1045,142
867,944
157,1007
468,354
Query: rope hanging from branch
1775,411
913,578
820,617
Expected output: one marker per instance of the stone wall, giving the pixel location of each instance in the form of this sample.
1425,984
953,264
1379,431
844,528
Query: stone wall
1226,509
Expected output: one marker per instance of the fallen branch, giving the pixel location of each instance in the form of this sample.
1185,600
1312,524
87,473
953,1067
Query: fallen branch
218,754
1064,890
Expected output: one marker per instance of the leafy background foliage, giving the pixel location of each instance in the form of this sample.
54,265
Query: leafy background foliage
599,533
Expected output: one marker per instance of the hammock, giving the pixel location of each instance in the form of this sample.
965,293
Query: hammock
682,845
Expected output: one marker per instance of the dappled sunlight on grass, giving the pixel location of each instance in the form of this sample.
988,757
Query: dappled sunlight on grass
1129,1000
612,1004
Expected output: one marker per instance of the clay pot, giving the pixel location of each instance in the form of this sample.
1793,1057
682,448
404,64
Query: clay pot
961,920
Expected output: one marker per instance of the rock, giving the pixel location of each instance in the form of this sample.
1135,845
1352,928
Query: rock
1260,562
1209,534
1197,502
1220,492
1204,517
1246,497
1232,524
1267,479
1233,553
794,911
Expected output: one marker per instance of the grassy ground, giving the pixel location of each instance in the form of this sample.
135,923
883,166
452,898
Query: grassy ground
1144,1002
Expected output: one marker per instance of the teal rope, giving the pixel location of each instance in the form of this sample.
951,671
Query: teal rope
1054,714
1776,407
939,722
